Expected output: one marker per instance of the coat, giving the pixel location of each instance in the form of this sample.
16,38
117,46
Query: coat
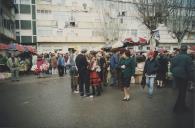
129,69
163,68
182,66
151,67
53,62
81,62
13,65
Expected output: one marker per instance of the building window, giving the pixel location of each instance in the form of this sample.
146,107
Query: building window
25,9
34,28
25,24
17,24
26,39
18,39
17,9
46,12
33,12
123,13
72,24
33,1
134,32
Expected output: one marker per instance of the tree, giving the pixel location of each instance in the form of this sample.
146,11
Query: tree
179,19
110,21
152,12
175,14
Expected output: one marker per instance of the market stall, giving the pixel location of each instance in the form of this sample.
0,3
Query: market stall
4,70
24,54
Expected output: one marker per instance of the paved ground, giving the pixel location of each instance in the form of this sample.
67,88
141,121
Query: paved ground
48,103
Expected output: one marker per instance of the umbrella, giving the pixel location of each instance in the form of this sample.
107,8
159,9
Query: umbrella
135,41
16,47
118,45
3,46
30,49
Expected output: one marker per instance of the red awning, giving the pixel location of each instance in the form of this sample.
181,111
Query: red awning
3,46
16,47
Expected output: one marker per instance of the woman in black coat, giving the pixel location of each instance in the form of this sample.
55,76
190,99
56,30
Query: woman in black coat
162,70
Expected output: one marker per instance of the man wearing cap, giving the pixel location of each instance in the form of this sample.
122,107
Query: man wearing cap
82,65
150,71
181,68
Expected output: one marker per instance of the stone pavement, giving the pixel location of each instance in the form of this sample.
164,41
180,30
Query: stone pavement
49,103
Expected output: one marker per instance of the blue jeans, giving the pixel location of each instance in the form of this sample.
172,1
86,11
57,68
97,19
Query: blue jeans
150,84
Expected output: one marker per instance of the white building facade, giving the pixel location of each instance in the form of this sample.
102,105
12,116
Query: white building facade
63,24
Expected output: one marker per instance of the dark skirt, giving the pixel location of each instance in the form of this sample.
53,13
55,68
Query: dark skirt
125,81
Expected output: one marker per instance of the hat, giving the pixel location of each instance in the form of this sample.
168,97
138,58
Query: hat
184,47
83,50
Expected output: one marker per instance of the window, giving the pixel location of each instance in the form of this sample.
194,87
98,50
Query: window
44,11
25,9
17,24
134,32
17,9
123,13
33,12
72,24
25,24
26,39
33,1
84,6
18,39
34,28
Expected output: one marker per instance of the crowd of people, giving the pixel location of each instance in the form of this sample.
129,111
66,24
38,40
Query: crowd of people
91,71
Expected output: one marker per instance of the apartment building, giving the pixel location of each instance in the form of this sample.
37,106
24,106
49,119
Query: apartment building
63,24
7,21
57,25
26,22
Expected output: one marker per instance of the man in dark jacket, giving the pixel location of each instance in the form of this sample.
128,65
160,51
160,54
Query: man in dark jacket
181,68
150,71
82,65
